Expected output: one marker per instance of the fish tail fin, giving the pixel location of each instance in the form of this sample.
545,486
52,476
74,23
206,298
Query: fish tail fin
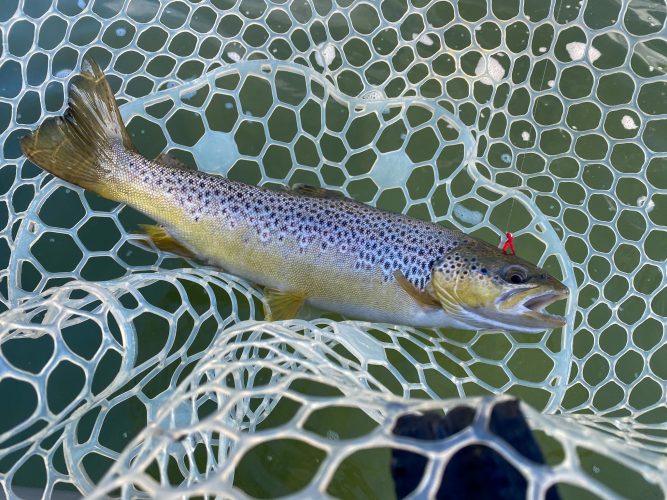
74,146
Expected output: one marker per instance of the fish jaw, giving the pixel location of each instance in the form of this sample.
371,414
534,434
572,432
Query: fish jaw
523,310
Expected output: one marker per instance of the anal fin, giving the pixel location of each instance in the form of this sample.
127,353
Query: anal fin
424,298
279,305
165,241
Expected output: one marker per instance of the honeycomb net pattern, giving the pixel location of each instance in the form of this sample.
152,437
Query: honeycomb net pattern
543,118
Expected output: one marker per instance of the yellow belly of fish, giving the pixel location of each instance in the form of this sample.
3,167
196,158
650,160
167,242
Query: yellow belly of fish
326,278
323,276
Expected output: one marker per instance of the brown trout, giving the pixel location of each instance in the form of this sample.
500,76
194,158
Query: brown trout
303,245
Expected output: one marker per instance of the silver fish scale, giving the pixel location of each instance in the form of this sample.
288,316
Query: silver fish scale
384,240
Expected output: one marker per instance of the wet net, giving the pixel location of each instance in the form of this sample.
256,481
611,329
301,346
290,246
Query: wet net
128,371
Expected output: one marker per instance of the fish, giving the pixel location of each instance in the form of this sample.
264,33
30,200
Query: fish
305,244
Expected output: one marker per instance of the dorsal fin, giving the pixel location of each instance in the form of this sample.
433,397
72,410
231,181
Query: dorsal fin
171,161
317,192
424,298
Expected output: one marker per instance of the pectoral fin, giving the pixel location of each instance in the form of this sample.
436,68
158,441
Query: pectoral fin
423,297
165,241
280,305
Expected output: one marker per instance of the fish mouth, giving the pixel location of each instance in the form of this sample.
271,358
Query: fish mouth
522,309
546,299
534,308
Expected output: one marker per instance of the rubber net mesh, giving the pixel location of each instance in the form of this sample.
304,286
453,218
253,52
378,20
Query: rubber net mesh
124,370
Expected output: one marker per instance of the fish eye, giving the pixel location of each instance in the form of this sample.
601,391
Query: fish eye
516,278
516,275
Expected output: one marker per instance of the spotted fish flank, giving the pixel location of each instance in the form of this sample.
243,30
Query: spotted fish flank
305,244
370,237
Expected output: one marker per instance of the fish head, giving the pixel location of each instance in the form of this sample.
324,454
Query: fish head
481,286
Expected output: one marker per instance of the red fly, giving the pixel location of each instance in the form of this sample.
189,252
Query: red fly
509,243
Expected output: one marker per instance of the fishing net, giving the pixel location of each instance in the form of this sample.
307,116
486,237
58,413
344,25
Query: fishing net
128,371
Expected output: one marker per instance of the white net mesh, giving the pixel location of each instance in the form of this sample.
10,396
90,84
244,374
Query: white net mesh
130,371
